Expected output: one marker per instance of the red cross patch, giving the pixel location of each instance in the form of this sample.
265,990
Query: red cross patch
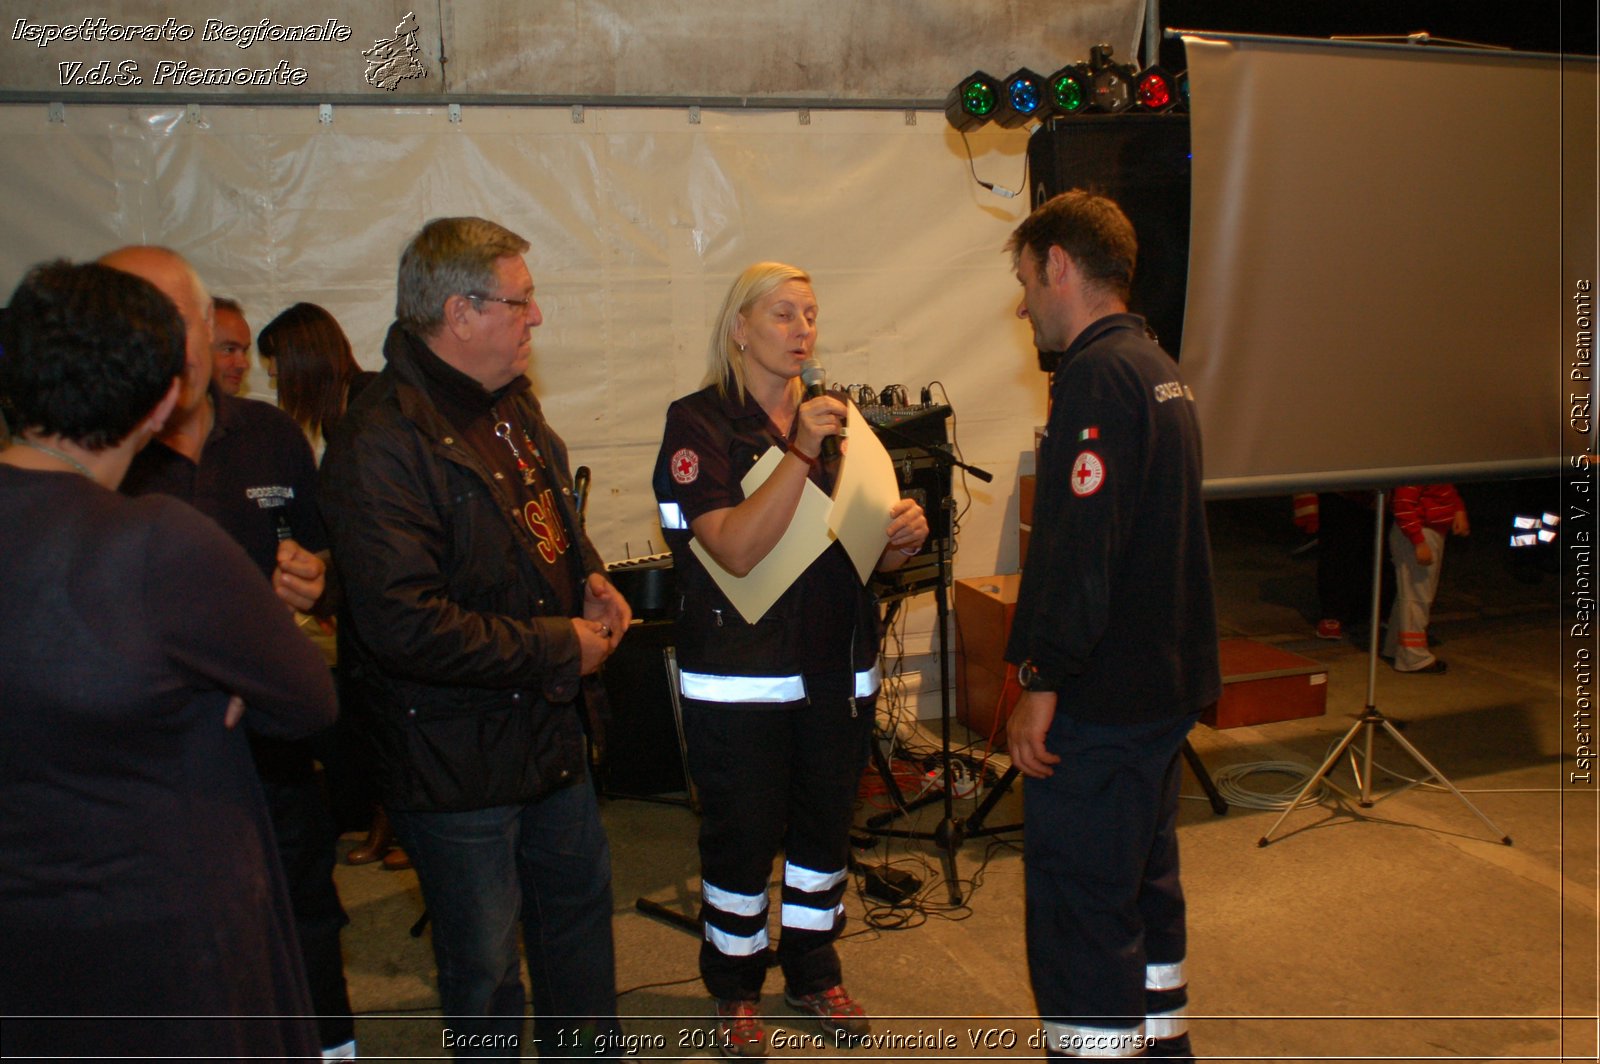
685,466
1088,473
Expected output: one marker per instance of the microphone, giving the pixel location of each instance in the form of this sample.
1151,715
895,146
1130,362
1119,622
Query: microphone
815,380
580,492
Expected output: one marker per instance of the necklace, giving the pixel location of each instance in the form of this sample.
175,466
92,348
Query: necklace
53,453
502,429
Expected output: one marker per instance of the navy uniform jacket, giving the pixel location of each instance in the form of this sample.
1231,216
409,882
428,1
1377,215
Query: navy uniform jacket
1115,608
825,620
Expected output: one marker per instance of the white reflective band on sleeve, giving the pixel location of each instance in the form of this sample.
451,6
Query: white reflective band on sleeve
1077,1041
810,882
805,918
736,945
729,902
868,681
1164,976
1167,1024
672,516
707,687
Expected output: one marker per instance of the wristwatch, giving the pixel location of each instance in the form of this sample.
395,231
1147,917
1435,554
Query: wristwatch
1028,676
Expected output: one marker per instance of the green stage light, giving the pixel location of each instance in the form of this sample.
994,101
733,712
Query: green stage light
1068,90
973,102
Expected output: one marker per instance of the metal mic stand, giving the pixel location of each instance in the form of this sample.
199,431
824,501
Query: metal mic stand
1371,721
952,831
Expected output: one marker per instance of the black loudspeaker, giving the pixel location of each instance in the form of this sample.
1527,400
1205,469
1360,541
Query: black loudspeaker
643,756
1142,162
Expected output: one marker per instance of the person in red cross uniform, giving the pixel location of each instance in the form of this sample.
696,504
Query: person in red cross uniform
1115,637
777,710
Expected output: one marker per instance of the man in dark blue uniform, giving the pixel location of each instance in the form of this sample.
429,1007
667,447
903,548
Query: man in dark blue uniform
1115,638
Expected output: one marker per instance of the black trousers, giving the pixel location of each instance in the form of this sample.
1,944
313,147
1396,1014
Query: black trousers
306,844
1344,561
770,778
1105,906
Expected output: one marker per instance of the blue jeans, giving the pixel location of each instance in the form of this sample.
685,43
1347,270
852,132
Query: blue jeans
548,864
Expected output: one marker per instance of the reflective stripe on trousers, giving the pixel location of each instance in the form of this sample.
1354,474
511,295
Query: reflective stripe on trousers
710,687
745,905
1160,978
809,882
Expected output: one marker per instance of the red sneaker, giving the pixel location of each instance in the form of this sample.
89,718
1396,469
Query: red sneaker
740,1032
1330,628
841,1016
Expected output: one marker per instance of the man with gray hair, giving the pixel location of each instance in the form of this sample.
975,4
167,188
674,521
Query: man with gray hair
475,617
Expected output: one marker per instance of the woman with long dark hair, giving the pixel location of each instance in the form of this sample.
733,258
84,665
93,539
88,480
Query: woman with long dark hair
308,357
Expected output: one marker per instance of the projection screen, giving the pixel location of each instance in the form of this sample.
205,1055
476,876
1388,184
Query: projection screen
1390,261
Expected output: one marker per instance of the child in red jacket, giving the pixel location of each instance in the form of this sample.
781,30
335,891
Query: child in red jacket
1423,513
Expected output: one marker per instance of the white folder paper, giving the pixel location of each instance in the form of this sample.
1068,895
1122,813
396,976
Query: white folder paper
807,536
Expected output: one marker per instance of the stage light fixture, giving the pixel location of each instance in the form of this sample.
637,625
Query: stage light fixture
1532,531
1110,82
1155,91
1022,99
973,102
1068,90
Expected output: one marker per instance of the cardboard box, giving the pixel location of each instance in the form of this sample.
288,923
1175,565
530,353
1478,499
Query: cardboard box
1262,684
986,685
987,699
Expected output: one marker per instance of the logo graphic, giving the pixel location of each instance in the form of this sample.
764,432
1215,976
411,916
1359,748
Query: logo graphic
544,521
389,62
1088,473
686,466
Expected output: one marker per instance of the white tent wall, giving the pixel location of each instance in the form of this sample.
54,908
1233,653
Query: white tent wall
638,221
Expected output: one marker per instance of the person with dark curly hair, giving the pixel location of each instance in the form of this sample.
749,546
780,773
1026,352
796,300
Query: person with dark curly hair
137,637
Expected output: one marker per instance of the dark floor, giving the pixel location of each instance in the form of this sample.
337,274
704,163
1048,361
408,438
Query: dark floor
1405,931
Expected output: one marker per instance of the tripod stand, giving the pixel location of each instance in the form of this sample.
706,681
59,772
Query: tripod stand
952,830
1373,719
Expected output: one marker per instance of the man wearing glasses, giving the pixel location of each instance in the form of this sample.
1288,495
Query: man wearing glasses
474,619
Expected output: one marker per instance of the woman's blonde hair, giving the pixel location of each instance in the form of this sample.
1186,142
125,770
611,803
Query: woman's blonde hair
724,360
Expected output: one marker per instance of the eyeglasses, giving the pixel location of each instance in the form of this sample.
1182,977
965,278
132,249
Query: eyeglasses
519,304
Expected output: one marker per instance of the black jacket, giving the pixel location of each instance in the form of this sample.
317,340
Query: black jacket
1115,609
467,669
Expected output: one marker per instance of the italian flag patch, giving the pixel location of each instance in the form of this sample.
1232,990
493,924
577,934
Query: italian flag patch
1090,433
